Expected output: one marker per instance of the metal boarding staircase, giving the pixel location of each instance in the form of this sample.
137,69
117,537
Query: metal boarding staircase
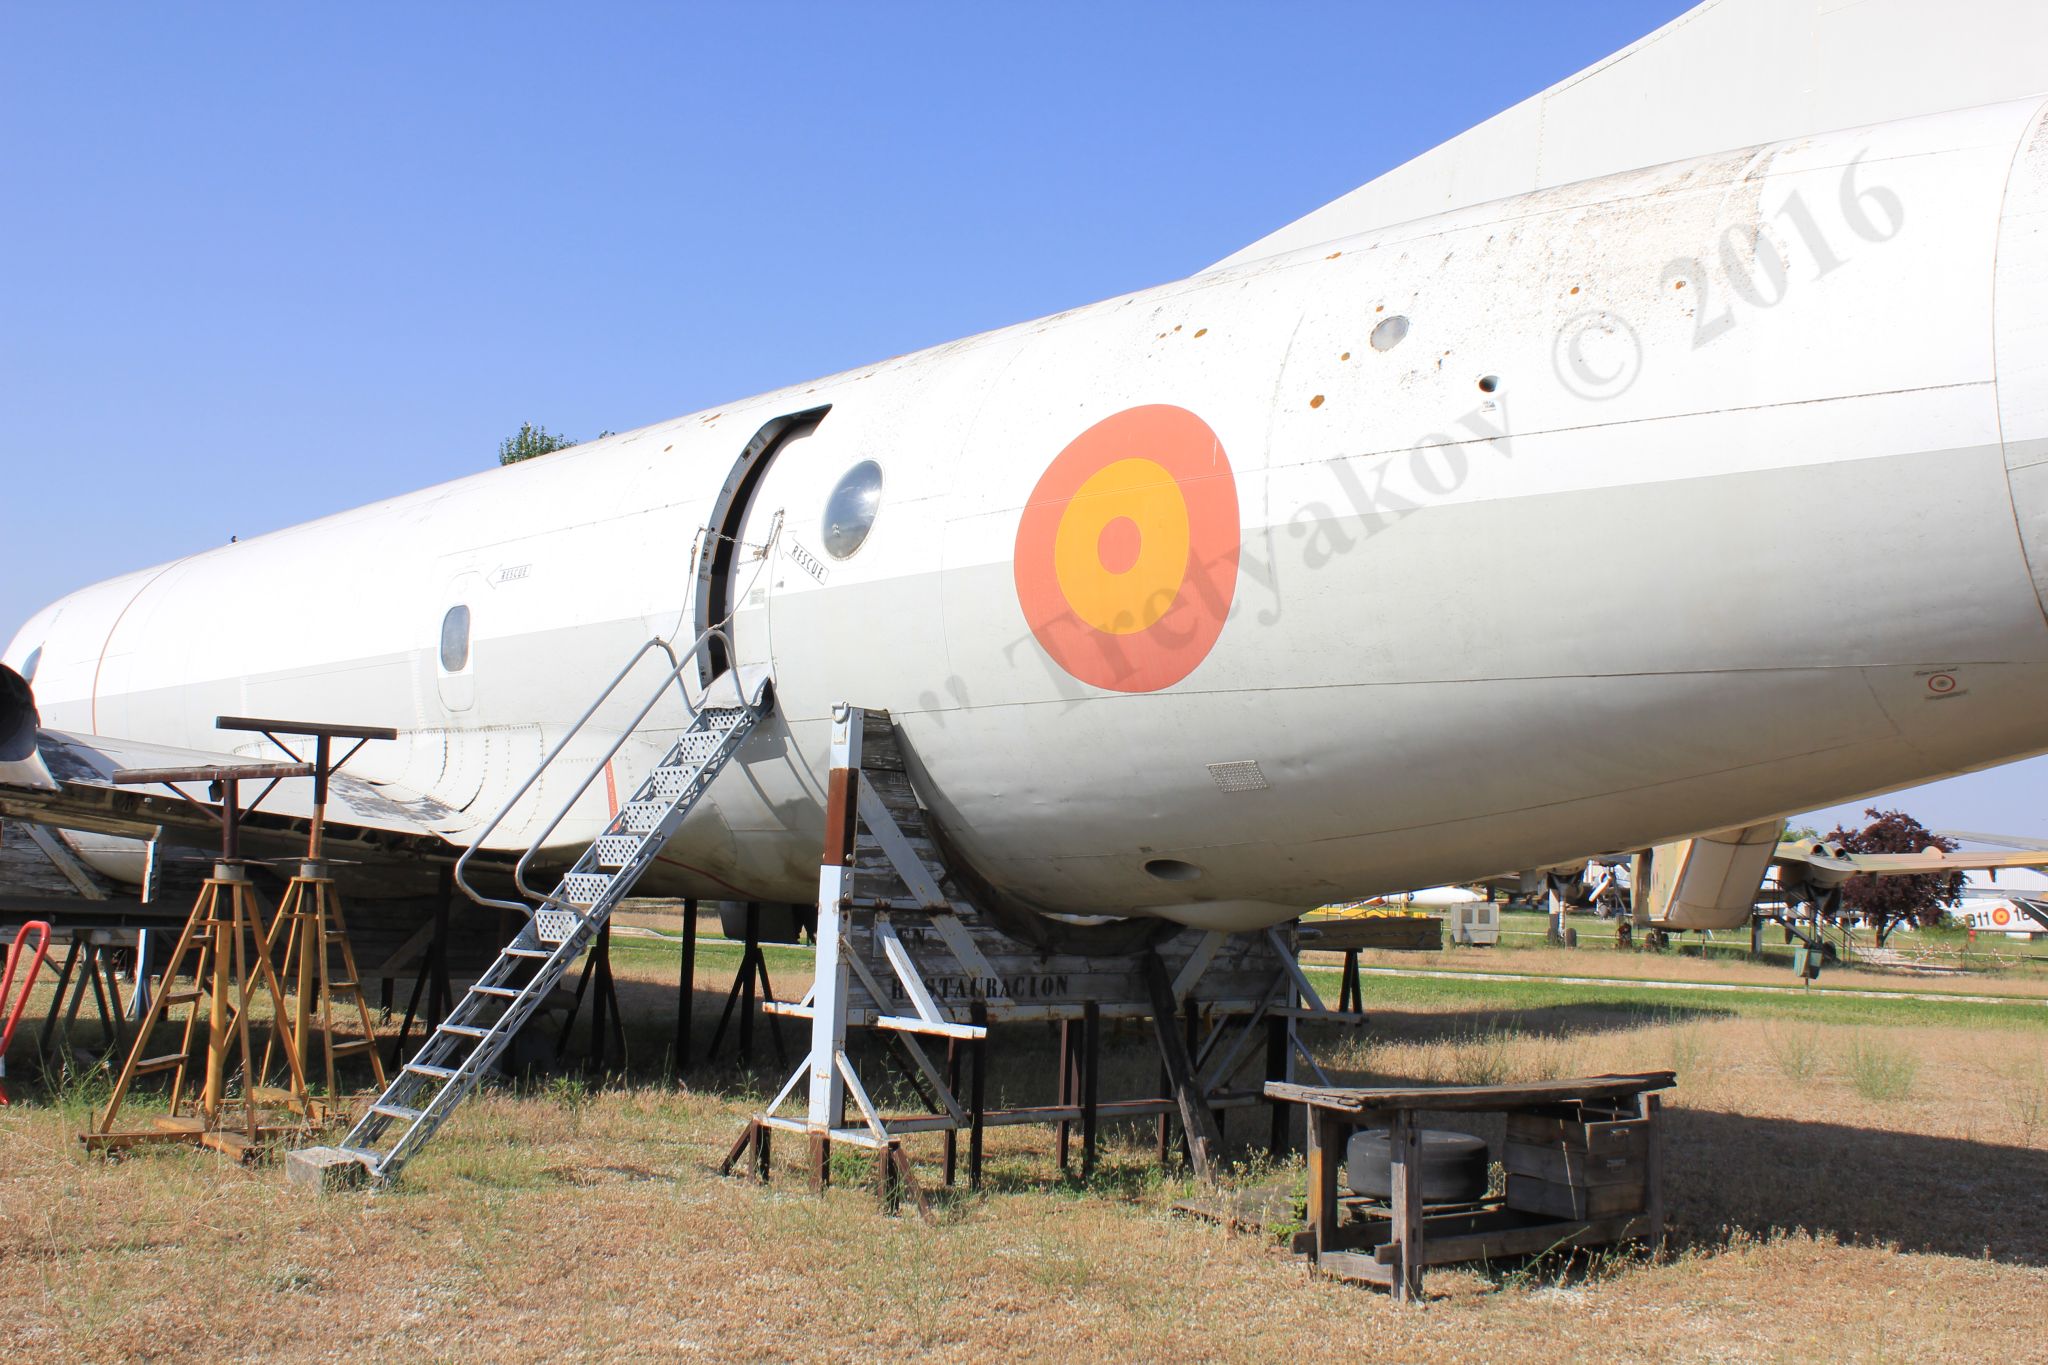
1826,935
562,923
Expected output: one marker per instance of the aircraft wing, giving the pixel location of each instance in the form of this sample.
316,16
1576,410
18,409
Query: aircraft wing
1970,836
1825,866
68,782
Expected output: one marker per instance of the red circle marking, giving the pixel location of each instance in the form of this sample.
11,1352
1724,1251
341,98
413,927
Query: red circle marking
1941,682
1119,544
1167,650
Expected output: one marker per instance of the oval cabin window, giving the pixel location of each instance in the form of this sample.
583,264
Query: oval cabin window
455,639
850,510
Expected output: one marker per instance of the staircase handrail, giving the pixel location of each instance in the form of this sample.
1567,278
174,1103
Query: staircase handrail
677,663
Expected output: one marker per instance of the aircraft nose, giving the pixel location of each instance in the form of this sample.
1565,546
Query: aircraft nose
18,718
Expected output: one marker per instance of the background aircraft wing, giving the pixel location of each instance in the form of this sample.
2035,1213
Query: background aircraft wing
1826,859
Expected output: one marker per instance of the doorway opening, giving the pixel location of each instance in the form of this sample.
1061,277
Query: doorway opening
720,555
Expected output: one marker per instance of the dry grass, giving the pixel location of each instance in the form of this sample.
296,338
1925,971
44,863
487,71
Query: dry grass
586,1221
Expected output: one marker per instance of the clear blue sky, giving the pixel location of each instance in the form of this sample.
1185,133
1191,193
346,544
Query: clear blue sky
262,263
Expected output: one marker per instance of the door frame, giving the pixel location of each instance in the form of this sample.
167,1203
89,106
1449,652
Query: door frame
719,541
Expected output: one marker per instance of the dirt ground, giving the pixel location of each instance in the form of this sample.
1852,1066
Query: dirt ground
1858,1192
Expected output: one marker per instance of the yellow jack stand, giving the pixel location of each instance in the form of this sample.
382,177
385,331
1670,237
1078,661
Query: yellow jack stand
224,932
312,908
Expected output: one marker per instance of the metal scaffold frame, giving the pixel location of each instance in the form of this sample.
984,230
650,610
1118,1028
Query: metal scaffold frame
866,965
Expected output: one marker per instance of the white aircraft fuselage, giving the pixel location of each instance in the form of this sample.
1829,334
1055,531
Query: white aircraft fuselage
1591,518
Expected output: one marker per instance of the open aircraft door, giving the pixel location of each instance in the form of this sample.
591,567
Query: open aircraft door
737,548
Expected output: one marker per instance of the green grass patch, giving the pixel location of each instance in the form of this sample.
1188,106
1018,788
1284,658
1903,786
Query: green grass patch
1658,1004
718,953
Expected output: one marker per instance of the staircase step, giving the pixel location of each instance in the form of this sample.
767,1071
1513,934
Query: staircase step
439,1073
642,817
529,952
585,888
503,992
153,1064
556,926
465,1031
397,1111
668,784
617,850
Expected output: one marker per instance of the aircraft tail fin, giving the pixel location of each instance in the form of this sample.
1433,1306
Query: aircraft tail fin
1725,74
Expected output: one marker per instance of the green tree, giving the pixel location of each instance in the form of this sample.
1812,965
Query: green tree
530,441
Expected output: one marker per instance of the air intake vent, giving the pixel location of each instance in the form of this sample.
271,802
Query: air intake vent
1239,777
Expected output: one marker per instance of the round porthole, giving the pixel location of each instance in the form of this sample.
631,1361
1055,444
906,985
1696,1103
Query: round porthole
850,511
1389,333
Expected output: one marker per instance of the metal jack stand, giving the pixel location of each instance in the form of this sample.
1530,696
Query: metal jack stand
87,962
312,909
753,970
224,928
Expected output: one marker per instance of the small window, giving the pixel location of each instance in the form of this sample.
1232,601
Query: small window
1390,333
455,639
851,509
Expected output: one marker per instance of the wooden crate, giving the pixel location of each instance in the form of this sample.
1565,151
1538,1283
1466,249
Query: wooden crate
1577,1167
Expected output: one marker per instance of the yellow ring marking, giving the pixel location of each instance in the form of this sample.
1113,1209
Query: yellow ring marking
1131,601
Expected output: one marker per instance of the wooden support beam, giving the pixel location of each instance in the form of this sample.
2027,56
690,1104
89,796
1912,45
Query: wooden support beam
1091,1072
1405,1143
1205,1142
686,987
1325,1161
977,1108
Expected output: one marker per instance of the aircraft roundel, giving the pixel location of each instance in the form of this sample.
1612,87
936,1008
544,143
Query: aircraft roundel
1126,557
2001,916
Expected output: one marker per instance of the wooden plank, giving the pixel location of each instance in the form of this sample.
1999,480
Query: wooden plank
61,858
1454,1098
301,727
1407,933
1325,1163
1350,1265
1404,1139
1529,1239
1566,1165
1532,1195
128,777
139,1137
879,749
234,1145
1653,1171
